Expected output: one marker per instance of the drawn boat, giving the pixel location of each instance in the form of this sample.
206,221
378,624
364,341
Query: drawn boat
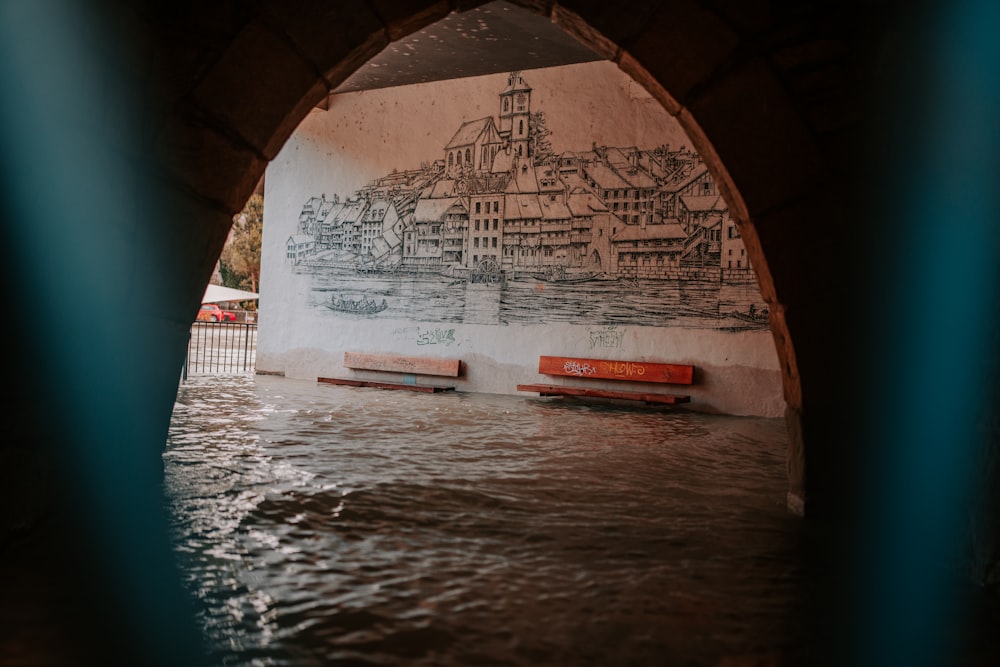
362,306
752,315
558,274
570,277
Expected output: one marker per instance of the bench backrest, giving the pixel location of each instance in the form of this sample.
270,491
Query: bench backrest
400,364
607,369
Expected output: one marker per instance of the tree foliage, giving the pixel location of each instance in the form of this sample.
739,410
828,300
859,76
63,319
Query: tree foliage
538,138
240,261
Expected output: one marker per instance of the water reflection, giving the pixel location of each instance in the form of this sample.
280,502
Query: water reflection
323,524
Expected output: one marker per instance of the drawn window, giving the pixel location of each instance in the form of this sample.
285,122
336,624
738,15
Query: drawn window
478,206
451,159
496,224
475,242
506,103
708,187
483,159
467,154
520,127
496,207
494,242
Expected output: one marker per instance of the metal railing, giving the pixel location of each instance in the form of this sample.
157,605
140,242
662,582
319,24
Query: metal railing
221,348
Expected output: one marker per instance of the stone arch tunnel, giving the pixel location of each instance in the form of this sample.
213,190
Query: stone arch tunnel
130,200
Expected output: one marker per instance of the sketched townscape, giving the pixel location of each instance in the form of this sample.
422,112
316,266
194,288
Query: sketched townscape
499,228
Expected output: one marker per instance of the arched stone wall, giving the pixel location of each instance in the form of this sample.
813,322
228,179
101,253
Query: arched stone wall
766,97
765,91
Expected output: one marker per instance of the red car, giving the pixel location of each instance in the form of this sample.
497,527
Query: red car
210,312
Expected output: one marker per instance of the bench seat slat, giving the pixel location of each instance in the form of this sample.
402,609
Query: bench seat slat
607,369
401,364
385,385
558,390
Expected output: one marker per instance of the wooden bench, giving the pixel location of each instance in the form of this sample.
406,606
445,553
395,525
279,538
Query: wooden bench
411,367
607,369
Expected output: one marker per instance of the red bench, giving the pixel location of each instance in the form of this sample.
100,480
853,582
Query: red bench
410,367
609,369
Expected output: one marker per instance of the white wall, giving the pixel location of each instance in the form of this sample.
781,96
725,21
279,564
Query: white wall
499,332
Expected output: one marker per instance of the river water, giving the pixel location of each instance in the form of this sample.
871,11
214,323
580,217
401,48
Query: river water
323,525
608,302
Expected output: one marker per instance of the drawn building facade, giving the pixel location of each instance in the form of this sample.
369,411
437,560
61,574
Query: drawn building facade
507,248
622,211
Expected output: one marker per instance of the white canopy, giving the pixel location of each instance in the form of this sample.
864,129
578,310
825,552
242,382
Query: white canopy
218,293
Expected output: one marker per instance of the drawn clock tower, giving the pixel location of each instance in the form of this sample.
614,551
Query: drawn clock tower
515,114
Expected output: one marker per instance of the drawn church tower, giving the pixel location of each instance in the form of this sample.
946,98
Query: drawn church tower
515,114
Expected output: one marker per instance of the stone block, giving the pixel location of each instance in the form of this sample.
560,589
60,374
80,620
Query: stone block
255,83
821,78
187,234
210,163
618,28
791,383
185,40
338,72
759,135
327,33
808,54
402,17
746,16
683,46
805,244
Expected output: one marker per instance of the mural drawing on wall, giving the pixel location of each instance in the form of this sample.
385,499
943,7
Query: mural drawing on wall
498,228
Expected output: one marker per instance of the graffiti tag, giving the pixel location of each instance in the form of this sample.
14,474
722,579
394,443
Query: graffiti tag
623,368
607,337
576,368
436,337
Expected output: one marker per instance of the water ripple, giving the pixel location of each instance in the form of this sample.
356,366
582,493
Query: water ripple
329,525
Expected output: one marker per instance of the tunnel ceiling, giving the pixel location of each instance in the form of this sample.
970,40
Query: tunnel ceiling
496,37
